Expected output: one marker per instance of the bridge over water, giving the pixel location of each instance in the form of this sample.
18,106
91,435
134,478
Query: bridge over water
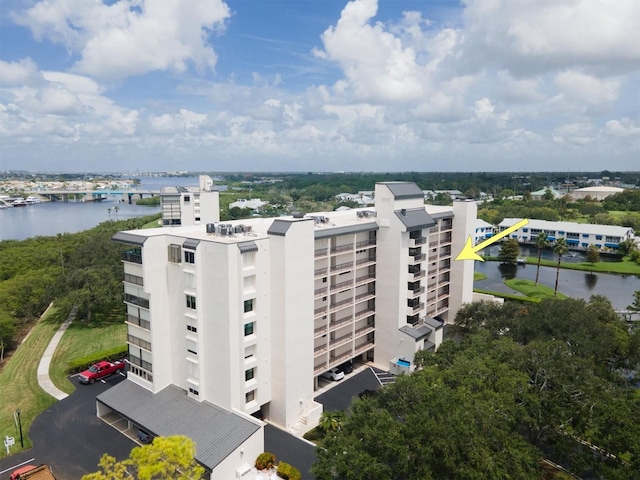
81,196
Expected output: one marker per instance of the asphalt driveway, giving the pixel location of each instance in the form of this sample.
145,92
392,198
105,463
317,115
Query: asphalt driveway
340,396
70,437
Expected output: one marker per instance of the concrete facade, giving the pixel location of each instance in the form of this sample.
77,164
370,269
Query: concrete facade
248,314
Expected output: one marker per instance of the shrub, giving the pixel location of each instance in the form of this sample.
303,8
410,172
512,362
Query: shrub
288,472
82,363
265,461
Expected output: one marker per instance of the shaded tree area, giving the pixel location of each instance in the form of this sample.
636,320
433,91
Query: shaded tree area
520,385
166,457
509,251
81,268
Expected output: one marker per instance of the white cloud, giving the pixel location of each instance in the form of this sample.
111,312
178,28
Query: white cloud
533,36
374,61
22,72
622,128
129,37
586,89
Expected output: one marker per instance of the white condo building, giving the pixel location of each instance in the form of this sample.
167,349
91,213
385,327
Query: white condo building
232,321
184,206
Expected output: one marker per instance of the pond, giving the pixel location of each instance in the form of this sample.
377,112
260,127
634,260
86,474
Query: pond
573,283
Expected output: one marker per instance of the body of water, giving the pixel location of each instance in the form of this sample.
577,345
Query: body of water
573,283
51,218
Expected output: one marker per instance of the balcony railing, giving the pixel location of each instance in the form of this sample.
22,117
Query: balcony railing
340,323
414,292
139,342
319,350
366,243
341,266
419,241
364,347
320,368
364,313
320,252
365,296
342,248
364,330
141,363
319,291
138,321
339,285
362,261
365,278
140,302
338,305
336,342
319,331
318,272
320,311
132,256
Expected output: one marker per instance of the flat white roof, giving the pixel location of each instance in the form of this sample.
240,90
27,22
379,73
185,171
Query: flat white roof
573,227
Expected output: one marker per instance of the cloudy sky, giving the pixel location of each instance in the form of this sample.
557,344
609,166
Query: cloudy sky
320,85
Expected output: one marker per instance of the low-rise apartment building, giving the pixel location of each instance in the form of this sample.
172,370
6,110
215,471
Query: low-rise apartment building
245,316
183,206
577,235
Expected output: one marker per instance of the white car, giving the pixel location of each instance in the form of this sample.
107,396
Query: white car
334,374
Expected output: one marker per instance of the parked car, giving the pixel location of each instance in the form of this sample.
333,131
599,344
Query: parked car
100,370
346,367
144,436
334,374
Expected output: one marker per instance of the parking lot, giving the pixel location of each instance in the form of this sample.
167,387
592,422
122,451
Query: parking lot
70,438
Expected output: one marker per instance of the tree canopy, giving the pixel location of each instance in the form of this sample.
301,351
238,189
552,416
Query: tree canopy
166,457
520,384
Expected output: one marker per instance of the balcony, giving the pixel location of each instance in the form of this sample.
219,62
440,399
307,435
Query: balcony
141,363
132,256
365,244
414,292
320,368
334,307
336,342
342,248
341,267
340,323
417,258
320,252
341,285
333,361
415,275
366,261
320,331
365,279
319,350
320,311
139,342
364,313
131,320
365,296
364,330
320,292
415,242
320,272
364,347
137,301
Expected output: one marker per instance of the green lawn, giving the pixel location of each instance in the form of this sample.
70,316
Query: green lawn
106,331
531,290
19,380
477,276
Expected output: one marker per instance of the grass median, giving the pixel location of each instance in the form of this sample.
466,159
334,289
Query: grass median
19,379
105,331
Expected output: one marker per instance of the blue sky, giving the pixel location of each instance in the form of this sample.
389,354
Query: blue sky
319,85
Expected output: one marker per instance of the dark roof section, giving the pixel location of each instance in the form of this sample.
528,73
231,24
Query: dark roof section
417,333
129,238
415,218
439,215
279,227
435,323
215,431
332,232
403,190
190,243
246,247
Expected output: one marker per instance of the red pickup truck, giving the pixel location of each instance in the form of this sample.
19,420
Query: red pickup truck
31,472
100,370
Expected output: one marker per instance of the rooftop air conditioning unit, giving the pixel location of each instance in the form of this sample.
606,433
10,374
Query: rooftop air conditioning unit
211,228
239,228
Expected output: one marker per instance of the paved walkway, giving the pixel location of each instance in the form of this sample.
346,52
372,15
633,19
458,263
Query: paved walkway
45,362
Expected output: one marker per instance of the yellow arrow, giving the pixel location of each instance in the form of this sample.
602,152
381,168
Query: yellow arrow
469,251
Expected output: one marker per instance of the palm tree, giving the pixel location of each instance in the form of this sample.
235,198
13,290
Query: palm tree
331,421
541,243
109,210
115,209
560,248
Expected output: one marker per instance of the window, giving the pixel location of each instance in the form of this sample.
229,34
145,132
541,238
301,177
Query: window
189,257
250,396
191,302
249,374
249,259
174,253
133,279
249,329
192,325
249,282
248,305
192,347
187,199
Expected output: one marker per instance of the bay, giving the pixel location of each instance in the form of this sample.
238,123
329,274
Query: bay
51,218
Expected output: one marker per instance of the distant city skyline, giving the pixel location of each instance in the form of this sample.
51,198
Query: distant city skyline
319,85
